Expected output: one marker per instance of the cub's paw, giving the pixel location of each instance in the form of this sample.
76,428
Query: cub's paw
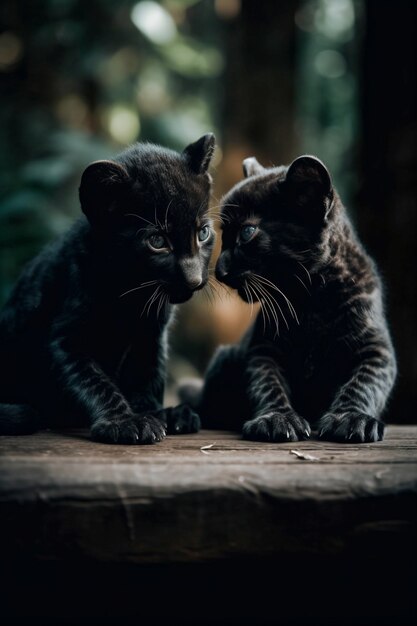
135,429
277,427
182,419
350,427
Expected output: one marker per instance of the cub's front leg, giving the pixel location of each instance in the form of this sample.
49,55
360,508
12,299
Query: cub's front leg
143,380
275,419
354,416
98,397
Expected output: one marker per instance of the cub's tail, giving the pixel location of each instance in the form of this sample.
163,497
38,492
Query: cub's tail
189,391
18,419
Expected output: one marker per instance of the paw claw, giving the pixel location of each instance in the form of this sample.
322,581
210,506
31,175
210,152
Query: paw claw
350,427
129,430
275,426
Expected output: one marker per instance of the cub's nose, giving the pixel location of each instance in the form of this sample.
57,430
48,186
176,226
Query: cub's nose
194,281
221,273
191,271
222,267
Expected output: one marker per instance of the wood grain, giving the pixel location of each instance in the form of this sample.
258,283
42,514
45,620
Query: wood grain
63,496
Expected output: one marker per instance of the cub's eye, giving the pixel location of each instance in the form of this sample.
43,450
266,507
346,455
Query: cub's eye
157,242
204,233
247,232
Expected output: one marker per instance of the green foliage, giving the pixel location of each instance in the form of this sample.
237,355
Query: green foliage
328,34
80,80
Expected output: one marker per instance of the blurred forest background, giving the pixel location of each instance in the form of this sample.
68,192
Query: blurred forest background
337,78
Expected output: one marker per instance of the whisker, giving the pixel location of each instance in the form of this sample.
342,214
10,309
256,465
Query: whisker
271,300
220,289
210,293
141,286
207,293
306,270
204,293
305,287
215,217
212,289
150,300
166,214
202,203
140,218
154,299
288,301
166,303
152,294
246,292
250,297
216,284
161,299
261,303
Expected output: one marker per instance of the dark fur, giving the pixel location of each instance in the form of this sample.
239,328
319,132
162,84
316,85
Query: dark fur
84,335
330,360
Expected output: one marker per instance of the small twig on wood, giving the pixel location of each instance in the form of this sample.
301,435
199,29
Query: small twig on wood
205,448
303,456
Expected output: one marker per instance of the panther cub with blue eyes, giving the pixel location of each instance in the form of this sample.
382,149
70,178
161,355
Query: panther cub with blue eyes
84,334
319,350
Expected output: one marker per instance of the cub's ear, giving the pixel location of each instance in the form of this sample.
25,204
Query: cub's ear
198,154
251,167
102,183
309,182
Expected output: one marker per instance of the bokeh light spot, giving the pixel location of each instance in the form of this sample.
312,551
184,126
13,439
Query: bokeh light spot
335,18
154,21
10,50
227,9
330,64
123,124
153,93
72,111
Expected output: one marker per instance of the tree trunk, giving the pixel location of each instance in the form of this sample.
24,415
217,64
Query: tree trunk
388,219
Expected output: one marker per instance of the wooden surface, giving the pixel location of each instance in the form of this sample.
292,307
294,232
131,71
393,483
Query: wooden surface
63,496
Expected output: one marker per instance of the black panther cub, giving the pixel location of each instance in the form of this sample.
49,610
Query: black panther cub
320,348
84,333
